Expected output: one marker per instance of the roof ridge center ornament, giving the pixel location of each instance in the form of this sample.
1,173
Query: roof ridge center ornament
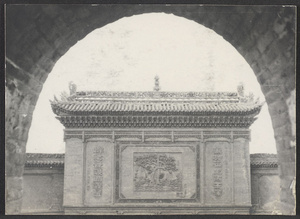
72,88
156,81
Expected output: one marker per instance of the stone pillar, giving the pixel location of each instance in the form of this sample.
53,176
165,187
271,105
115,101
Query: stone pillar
227,172
73,175
241,171
99,173
218,174
18,112
89,173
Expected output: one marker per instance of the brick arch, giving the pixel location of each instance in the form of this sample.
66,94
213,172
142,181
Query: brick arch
38,35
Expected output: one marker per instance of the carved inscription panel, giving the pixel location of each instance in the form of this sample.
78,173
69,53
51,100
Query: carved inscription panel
218,173
98,173
94,181
157,172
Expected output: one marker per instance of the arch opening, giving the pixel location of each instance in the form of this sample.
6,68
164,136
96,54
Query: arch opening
127,54
265,36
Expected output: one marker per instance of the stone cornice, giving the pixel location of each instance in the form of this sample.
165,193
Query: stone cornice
131,121
157,135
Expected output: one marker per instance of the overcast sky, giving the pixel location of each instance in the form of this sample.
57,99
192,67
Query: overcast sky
127,54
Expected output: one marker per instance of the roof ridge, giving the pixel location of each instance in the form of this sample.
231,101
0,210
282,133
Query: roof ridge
154,94
100,91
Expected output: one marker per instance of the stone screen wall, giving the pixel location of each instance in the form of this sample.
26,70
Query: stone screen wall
43,183
151,171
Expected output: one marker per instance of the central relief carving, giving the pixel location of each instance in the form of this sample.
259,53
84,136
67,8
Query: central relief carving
157,172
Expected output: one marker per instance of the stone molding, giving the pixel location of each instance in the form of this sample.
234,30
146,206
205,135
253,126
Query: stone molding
169,208
156,135
120,198
128,121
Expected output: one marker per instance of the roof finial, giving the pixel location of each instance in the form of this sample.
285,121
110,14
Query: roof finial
240,89
72,87
156,87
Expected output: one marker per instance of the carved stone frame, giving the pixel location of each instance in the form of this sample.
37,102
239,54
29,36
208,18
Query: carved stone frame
195,146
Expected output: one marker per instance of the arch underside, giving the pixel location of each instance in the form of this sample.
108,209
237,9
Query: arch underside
38,35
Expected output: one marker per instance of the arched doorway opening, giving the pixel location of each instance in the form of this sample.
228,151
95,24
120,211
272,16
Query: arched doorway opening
127,54
265,40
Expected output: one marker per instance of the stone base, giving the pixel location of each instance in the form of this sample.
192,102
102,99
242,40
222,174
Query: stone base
158,210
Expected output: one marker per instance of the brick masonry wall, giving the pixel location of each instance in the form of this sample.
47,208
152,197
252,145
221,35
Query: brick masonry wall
38,35
43,190
265,191
265,184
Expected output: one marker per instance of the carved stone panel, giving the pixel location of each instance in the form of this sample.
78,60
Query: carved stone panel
98,173
157,172
218,176
73,187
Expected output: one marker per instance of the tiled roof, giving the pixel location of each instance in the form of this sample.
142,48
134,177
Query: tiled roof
159,102
155,109
44,160
264,160
44,163
174,107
